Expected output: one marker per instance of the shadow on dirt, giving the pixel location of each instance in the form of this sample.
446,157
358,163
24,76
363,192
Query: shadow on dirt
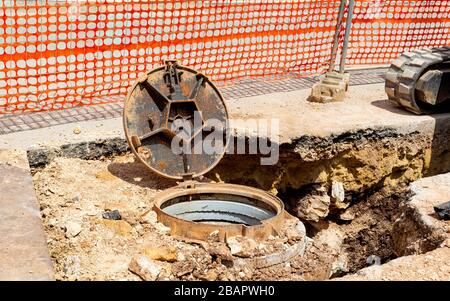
137,174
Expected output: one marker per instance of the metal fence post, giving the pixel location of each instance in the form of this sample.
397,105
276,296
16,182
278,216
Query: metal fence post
336,35
348,27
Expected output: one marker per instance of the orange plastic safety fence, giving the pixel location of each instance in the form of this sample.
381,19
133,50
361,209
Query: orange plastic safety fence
57,54
382,30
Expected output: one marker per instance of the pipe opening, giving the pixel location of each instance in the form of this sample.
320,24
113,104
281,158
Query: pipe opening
219,208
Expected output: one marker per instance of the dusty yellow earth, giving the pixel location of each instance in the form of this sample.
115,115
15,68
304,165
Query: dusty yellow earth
74,194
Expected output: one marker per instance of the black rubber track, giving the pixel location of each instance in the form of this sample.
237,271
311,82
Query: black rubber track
402,76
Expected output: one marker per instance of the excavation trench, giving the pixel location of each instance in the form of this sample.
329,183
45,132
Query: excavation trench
77,197
347,190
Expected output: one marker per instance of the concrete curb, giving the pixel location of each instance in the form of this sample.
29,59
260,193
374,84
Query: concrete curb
23,245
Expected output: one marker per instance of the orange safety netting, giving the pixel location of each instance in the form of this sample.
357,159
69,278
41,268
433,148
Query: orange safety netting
382,30
57,54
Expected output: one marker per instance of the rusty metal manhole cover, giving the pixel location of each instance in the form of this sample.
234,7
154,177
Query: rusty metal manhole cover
158,104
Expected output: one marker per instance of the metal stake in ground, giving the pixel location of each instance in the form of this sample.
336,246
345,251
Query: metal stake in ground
348,28
337,32
333,85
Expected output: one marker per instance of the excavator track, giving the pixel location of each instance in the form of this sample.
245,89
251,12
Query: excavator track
403,74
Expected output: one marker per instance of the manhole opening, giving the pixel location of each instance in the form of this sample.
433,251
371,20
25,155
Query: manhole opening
219,208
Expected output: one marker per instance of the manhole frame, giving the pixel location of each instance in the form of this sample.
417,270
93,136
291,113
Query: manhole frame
201,231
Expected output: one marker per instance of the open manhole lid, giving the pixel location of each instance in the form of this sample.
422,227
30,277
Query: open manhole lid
175,122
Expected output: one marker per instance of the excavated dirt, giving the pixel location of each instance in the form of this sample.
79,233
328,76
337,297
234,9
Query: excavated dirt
74,194
363,160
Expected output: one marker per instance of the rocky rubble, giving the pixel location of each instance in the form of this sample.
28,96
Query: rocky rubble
418,229
72,229
145,268
96,234
314,205
74,194
317,202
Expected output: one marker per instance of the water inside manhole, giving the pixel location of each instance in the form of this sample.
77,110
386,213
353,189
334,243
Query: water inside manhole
218,208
